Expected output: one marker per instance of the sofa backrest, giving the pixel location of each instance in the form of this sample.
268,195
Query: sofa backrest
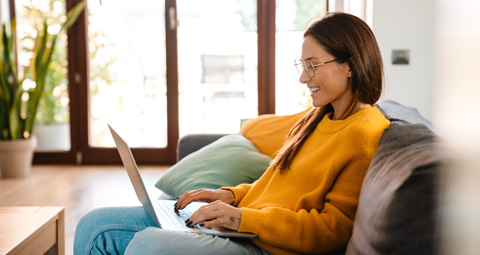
397,204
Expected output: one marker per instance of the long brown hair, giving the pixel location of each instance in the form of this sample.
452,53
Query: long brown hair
350,40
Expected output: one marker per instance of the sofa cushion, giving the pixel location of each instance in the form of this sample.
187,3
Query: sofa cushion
394,111
396,212
228,161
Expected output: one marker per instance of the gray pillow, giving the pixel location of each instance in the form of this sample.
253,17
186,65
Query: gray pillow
397,112
396,212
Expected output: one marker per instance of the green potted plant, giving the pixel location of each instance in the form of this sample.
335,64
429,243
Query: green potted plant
20,95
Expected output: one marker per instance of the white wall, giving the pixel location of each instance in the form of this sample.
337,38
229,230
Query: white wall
400,25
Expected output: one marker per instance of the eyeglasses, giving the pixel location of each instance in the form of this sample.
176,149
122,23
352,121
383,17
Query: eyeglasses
308,67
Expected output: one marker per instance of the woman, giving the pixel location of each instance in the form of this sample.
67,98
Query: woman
306,200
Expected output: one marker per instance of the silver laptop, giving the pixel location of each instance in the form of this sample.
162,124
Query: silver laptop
162,211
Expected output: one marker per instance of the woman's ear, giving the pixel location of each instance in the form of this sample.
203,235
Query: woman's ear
350,65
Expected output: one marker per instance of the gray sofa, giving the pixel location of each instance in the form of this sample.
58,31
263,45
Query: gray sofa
397,205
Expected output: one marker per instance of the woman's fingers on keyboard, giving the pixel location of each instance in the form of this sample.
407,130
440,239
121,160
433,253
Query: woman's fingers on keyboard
205,195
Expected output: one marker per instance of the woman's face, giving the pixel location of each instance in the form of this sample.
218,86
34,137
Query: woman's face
330,82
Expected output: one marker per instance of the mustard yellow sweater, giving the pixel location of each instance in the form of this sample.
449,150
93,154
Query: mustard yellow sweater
310,208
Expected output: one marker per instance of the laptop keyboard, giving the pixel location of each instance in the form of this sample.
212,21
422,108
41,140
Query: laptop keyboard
176,220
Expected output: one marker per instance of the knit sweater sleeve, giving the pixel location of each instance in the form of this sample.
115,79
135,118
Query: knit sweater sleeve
240,191
311,232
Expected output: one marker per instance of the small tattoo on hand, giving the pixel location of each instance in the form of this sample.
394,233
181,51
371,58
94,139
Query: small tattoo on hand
232,219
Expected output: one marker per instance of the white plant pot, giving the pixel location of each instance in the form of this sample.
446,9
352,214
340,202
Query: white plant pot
16,157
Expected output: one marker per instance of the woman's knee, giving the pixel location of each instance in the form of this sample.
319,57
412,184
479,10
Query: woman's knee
115,215
87,228
89,222
93,220
113,225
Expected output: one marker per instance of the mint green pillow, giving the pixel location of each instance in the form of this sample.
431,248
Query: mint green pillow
229,161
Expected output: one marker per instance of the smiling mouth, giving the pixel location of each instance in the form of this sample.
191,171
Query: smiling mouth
314,89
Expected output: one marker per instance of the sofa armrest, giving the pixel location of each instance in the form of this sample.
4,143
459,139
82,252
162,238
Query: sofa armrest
193,142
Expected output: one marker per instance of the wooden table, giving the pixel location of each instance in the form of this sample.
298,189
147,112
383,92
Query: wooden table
32,230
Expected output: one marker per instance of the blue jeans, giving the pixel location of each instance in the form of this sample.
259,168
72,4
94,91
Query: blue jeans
130,230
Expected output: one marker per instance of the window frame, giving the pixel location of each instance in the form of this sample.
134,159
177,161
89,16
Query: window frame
82,153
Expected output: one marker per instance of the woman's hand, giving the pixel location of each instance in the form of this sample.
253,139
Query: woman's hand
217,214
204,195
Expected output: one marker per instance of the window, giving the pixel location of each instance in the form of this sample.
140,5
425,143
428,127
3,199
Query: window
217,63
52,127
127,66
292,18
154,78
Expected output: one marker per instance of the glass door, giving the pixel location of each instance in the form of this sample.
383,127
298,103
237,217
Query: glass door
127,80
52,125
127,72
217,61
292,19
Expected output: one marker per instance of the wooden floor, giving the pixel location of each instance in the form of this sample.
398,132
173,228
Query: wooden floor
77,188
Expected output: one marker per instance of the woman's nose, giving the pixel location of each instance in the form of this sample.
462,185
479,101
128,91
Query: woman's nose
304,77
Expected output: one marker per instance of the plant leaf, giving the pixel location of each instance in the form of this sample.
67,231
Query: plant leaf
12,124
6,67
15,120
8,79
73,14
45,46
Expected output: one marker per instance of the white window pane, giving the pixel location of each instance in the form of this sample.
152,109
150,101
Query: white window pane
292,18
52,124
217,51
127,72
